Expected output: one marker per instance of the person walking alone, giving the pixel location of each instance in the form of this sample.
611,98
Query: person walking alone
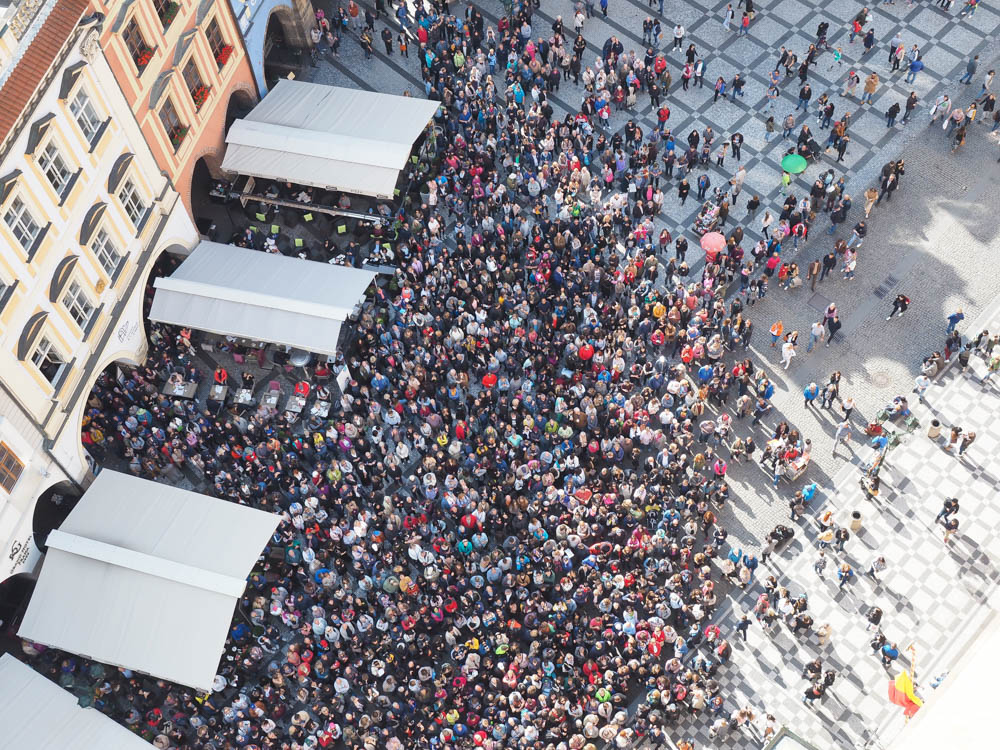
843,434
911,104
899,306
877,566
871,86
970,70
833,325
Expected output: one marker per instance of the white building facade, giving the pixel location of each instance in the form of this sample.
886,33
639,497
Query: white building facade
84,214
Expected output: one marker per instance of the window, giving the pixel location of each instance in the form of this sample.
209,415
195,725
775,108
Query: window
48,361
54,168
22,224
195,85
103,247
10,468
167,11
176,130
76,301
220,50
137,47
132,202
85,114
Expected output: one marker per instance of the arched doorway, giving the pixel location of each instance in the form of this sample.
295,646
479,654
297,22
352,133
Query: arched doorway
241,103
51,510
281,55
211,215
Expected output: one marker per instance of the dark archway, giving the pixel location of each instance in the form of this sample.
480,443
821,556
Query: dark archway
15,592
51,510
281,56
241,103
210,213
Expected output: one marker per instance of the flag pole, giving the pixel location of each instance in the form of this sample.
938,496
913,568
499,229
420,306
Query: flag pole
913,674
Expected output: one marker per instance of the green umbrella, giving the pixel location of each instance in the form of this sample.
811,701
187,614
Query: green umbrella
793,164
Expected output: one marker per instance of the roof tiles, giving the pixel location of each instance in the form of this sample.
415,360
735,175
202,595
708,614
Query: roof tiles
30,71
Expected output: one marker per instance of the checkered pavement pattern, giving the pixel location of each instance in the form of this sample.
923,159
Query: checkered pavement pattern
946,40
934,596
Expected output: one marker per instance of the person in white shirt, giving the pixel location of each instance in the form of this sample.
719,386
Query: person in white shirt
816,334
787,352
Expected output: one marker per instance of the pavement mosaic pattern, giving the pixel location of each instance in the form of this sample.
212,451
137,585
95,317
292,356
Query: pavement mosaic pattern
935,596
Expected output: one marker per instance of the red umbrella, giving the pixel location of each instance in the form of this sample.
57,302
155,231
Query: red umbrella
489,380
713,243
586,352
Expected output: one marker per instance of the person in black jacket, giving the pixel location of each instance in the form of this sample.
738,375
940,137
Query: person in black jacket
834,325
899,305
891,114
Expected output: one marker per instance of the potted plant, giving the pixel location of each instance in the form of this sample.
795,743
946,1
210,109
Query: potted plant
143,58
169,14
178,135
224,54
200,96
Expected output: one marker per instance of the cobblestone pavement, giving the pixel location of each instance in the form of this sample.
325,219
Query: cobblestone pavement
928,243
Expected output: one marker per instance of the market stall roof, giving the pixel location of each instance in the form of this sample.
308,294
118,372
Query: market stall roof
328,137
145,576
233,291
36,713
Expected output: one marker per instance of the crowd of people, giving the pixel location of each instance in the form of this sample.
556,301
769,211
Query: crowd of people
506,533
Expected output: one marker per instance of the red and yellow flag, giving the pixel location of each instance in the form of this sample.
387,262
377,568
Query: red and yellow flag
902,693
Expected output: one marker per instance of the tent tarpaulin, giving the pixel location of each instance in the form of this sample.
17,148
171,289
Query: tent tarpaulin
145,576
328,137
233,291
36,713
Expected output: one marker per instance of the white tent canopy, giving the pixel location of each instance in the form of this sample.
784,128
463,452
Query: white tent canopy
328,137
145,576
233,291
36,713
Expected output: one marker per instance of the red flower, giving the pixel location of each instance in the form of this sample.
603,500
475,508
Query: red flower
224,54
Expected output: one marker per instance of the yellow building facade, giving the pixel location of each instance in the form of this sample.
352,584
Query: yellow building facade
85,211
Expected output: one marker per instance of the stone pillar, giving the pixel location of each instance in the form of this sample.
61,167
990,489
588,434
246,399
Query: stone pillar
301,18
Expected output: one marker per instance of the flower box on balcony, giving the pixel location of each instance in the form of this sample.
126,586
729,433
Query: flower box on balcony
143,58
177,137
200,96
224,54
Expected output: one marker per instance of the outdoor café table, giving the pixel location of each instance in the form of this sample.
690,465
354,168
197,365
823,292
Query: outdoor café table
180,390
295,404
320,409
244,396
218,392
270,399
